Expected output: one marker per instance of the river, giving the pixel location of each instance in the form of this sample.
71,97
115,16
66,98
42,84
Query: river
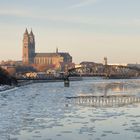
41,111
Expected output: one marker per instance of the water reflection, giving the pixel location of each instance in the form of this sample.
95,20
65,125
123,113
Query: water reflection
108,94
108,88
112,87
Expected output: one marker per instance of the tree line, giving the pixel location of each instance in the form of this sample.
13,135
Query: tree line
6,78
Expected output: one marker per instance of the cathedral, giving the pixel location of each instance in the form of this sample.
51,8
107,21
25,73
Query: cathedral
31,57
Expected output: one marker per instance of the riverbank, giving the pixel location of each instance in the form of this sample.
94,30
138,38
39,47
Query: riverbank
6,87
27,82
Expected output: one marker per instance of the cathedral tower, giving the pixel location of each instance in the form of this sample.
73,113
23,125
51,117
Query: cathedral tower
28,48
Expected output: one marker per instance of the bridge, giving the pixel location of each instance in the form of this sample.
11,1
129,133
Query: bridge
108,71
101,70
104,101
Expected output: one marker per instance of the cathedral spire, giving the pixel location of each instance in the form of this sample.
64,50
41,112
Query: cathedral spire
26,31
31,33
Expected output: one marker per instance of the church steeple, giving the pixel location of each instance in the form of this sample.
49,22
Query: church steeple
28,47
26,32
31,33
32,39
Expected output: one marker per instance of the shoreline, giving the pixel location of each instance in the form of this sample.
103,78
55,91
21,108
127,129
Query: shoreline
6,88
27,82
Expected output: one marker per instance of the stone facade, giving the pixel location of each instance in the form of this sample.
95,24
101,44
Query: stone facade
30,57
48,59
28,48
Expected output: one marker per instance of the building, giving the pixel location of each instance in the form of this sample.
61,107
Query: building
134,65
31,57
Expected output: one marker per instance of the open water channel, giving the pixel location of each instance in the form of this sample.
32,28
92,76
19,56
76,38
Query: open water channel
41,111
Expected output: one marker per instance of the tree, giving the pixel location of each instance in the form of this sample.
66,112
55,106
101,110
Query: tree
6,78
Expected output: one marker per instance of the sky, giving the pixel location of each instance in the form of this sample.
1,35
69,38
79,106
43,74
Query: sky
88,29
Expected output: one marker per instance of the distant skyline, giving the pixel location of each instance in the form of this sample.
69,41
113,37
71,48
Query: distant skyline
88,29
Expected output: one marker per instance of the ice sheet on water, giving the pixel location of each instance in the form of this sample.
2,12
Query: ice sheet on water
38,111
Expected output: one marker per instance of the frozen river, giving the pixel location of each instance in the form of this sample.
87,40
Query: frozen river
41,112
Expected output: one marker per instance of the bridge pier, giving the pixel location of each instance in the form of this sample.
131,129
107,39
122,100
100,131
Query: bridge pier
66,82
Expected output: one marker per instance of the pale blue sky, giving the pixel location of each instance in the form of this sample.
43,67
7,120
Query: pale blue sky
88,29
